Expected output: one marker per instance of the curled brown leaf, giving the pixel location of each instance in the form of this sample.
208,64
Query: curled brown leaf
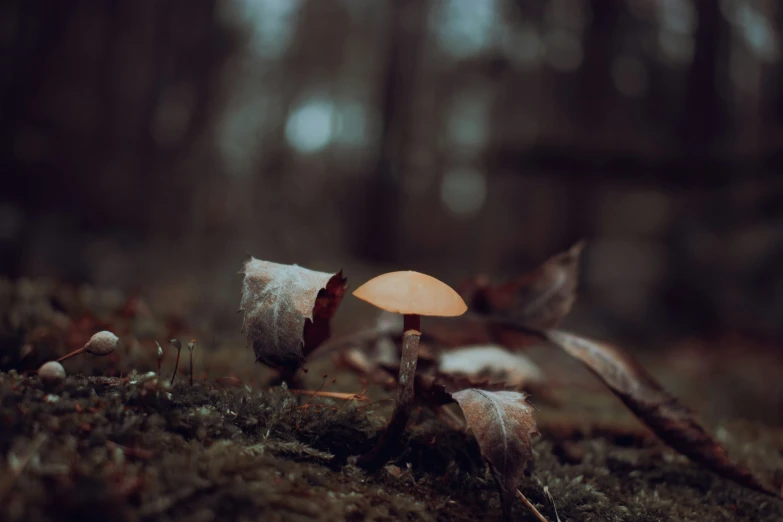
673,422
539,299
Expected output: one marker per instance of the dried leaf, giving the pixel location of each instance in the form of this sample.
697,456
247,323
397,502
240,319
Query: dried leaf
503,425
674,423
539,299
431,392
287,310
491,361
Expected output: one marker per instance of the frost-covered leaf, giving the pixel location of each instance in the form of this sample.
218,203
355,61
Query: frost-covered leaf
287,310
539,299
490,361
503,424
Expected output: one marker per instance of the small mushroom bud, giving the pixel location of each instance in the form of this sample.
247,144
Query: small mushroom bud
51,374
102,343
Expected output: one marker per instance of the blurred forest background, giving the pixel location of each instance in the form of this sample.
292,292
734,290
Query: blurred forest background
150,146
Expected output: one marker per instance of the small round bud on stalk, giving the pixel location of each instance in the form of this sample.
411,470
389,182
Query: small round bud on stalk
102,343
51,373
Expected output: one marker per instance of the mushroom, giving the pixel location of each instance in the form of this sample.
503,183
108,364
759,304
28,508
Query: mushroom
412,294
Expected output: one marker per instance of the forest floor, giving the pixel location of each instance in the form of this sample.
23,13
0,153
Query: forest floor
127,446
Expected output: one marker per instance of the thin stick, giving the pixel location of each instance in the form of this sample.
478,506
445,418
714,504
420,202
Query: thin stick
333,395
531,507
323,383
68,356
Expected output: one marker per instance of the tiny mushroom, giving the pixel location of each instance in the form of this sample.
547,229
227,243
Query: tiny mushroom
412,294
51,373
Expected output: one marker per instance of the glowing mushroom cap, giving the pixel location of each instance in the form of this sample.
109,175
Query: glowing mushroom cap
411,292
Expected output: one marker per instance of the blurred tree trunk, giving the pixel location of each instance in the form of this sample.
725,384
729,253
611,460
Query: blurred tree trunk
778,102
704,111
376,239
595,74
100,100
594,99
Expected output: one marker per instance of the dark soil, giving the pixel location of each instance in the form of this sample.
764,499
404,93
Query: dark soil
110,443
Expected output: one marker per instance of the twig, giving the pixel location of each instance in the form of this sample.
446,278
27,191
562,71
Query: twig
333,395
531,507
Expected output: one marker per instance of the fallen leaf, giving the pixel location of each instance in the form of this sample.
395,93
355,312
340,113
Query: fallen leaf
287,310
491,361
431,392
539,299
503,424
536,302
674,423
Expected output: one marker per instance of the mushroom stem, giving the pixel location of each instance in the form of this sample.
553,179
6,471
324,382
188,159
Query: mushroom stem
69,355
386,446
410,357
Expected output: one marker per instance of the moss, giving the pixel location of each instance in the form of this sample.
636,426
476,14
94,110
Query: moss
134,450
130,448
